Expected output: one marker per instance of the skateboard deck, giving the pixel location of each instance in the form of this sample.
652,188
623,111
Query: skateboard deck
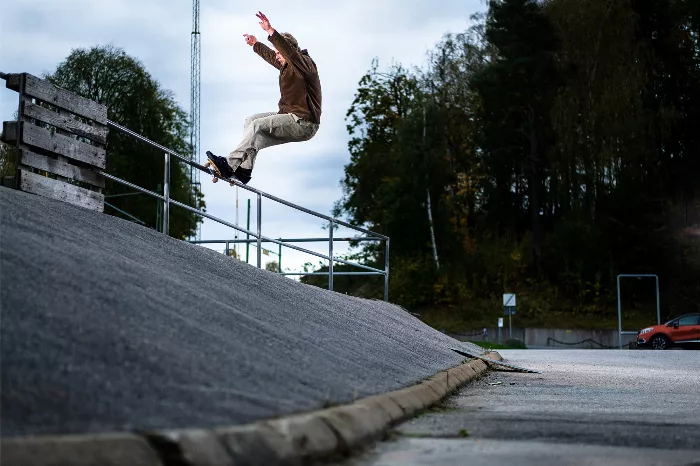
464,352
217,175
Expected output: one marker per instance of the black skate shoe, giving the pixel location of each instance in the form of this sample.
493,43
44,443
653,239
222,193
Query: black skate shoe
243,174
220,165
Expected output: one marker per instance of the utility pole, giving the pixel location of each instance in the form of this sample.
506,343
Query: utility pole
236,234
247,235
195,94
430,211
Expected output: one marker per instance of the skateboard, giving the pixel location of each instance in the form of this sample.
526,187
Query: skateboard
471,354
217,175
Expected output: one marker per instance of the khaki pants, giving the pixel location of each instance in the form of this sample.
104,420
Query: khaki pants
265,130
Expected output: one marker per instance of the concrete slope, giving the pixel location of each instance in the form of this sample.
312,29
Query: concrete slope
110,326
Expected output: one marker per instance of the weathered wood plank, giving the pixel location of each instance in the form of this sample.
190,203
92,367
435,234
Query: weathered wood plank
9,182
66,192
62,145
9,132
61,168
44,90
13,81
65,121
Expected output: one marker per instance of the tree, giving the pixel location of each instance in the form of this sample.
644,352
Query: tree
558,141
108,75
8,160
272,266
516,91
668,33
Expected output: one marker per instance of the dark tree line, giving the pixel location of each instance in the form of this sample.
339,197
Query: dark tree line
556,145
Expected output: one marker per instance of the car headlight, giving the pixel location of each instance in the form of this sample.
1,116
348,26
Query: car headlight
646,330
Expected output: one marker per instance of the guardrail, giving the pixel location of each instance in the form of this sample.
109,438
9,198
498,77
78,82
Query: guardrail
20,86
630,345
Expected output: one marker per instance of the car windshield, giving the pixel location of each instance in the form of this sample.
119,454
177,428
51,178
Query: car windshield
685,317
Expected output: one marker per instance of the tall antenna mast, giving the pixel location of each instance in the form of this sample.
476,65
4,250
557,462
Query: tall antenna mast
195,93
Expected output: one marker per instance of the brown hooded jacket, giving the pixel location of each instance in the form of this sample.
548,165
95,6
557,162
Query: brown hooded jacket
300,86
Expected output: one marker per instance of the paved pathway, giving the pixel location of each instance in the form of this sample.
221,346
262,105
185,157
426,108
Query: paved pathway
587,407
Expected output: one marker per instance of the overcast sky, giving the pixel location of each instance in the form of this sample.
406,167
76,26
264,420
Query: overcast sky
342,38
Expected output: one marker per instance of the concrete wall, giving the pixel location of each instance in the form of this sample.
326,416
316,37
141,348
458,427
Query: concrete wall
544,337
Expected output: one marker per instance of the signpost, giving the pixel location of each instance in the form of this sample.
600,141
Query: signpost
509,310
500,326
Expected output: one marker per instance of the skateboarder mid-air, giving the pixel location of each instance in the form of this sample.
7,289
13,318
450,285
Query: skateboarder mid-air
299,114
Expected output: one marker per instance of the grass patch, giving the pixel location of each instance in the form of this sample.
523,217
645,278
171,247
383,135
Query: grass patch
509,344
488,345
457,320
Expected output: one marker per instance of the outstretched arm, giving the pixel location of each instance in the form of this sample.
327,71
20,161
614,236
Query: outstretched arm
290,53
263,50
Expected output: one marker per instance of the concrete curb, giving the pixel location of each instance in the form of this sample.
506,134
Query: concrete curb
287,441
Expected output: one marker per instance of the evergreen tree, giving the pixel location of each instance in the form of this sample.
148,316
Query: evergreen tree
516,92
558,142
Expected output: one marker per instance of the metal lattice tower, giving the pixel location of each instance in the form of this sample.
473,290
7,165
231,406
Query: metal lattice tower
195,93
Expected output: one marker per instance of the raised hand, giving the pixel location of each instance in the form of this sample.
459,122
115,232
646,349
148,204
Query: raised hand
264,22
250,39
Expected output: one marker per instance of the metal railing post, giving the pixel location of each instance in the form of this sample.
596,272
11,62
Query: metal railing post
386,271
619,314
330,255
166,195
259,231
619,304
247,236
658,302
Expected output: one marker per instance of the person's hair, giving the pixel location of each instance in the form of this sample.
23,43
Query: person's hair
290,38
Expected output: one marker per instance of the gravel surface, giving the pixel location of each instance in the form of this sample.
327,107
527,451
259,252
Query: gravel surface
109,326
586,407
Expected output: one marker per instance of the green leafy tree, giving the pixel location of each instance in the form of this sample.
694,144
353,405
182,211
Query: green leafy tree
272,266
557,142
8,160
135,100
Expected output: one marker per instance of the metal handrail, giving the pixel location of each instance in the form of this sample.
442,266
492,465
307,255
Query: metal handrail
241,185
261,238
290,240
165,198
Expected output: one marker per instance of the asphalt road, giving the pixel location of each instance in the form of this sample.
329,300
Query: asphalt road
587,407
109,326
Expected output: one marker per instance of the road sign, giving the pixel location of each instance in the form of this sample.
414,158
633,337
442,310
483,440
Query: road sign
509,310
500,322
508,300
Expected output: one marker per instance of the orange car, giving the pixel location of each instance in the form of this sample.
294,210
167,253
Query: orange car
683,331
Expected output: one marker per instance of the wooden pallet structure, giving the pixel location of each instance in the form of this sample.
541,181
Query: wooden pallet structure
61,142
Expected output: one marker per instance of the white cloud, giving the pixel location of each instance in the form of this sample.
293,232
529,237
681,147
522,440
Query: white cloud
341,37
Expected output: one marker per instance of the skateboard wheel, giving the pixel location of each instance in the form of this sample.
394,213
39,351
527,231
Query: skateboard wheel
215,180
